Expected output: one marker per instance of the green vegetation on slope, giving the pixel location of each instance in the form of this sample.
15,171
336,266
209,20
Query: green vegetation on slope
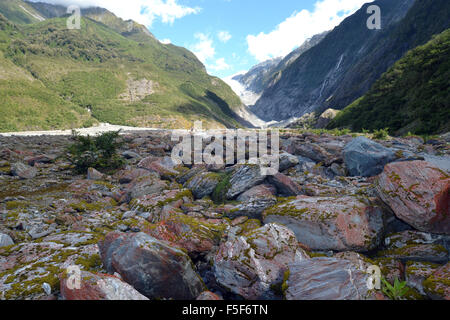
19,12
76,78
413,96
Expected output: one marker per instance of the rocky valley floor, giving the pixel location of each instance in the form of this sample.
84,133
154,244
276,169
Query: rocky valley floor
154,230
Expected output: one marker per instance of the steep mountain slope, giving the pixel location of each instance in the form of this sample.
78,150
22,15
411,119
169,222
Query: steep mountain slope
266,73
128,28
19,11
97,74
413,96
343,66
254,80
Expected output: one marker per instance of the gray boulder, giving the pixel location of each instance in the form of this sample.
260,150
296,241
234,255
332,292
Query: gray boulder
23,171
203,184
5,240
243,178
326,279
366,158
250,264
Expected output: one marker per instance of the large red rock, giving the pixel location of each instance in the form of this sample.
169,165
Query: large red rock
163,166
343,223
285,185
186,232
154,267
97,287
418,193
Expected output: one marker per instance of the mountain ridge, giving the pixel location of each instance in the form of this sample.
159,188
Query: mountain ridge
338,70
91,73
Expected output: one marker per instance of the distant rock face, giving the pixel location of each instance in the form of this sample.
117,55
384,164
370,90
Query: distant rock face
99,287
329,74
248,265
326,279
418,193
138,89
366,158
267,72
330,223
153,267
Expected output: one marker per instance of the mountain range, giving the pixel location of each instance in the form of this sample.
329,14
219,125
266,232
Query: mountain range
345,64
110,70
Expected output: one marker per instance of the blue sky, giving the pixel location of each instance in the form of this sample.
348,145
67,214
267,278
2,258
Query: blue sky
230,36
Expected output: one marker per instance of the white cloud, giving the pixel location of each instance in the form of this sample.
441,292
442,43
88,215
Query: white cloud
142,11
300,26
219,65
224,36
203,49
165,41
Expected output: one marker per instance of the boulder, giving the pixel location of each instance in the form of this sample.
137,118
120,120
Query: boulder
252,208
286,161
153,267
437,286
285,185
249,265
5,240
98,287
418,193
312,151
146,185
23,171
326,279
203,184
244,177
364,157
417,272
415,246
93,174
164,166
186,232
331,223
258,192
208,296
127,176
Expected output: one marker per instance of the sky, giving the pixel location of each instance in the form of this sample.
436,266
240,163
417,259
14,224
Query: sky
231,36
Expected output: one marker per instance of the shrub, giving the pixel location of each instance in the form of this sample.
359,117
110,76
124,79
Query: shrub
395,291
98,152
381,134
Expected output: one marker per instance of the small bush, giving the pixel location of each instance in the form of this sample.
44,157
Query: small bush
98,152
381,134
395,291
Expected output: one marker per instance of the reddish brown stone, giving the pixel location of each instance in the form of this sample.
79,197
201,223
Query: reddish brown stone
418,193
97,287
